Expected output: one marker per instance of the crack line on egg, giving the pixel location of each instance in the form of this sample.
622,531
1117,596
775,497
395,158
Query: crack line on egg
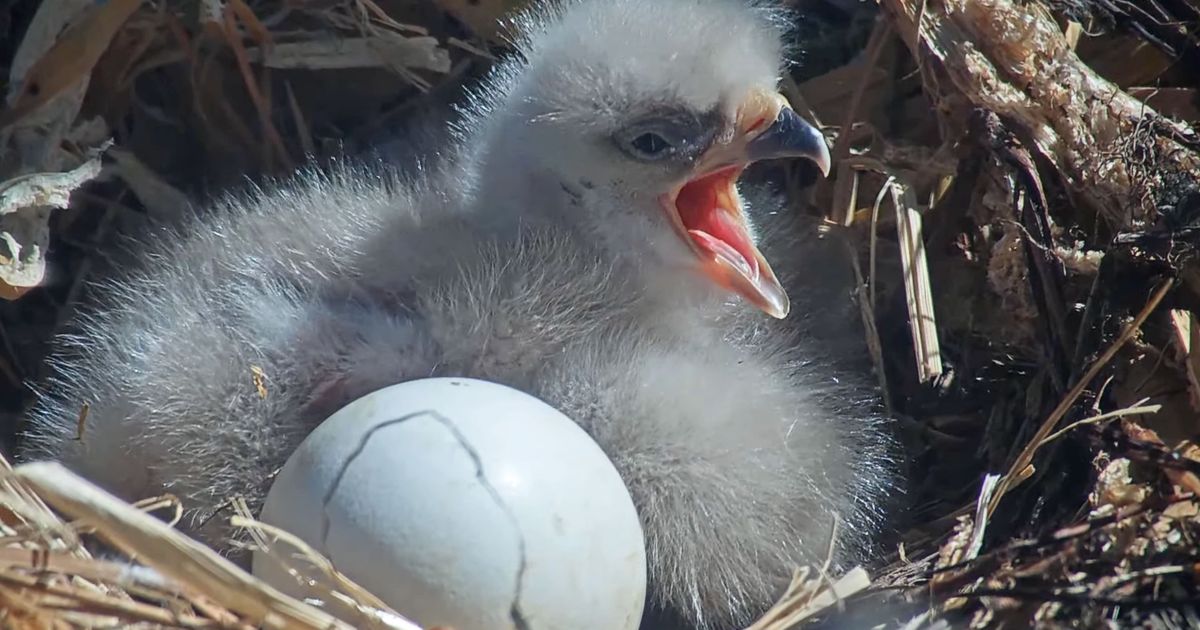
518,618
358,449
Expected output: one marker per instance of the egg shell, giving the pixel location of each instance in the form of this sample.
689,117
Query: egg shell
467,504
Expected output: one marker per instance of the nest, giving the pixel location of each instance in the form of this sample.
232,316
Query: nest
49,579
1018,181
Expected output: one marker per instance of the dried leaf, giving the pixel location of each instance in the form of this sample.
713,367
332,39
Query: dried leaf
53,18
70,59
25,204
45,189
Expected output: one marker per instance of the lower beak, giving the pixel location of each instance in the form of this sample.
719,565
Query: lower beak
708,210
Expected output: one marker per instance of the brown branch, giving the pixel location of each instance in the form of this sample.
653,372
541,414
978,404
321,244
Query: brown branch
1012,59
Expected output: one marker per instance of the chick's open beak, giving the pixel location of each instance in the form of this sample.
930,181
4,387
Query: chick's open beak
708,211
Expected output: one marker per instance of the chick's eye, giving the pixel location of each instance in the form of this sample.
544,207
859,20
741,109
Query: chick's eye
651,145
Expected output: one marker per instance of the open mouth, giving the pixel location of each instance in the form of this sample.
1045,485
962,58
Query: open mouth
710,213
707,211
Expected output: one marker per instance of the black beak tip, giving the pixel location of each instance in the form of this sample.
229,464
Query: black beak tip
791,136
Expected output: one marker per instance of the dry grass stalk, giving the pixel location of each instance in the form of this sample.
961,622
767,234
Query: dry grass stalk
809,596
1187,343
317,575
160,199
1135,410
1021,467
83,599
233,37
196,573
395,51
48,579
864,297
965,545
880,35
917,289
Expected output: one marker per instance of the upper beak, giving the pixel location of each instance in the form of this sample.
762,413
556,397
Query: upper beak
790,136
708,208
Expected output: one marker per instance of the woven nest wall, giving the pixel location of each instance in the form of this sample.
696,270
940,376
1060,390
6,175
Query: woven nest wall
1017,181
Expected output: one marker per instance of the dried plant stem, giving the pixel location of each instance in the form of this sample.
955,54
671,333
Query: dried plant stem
193,566
1016,473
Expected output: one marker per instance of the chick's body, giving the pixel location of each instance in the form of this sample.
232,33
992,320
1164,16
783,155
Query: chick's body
738,436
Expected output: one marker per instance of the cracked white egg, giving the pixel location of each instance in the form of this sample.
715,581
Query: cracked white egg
464,504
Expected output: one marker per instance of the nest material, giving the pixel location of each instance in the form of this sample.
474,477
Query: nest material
48,578
1018,181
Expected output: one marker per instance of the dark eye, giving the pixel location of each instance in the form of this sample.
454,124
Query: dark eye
671,136
651,145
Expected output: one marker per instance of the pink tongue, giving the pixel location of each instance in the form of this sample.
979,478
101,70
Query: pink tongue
718,232
725,253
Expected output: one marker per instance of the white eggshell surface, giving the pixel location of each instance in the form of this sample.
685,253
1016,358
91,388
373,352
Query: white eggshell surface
467,504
